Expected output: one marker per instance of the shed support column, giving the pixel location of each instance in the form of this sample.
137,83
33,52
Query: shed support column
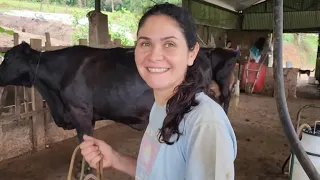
98,29
317,71
97,5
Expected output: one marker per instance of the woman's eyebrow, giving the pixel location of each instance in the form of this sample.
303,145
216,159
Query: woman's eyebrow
143,37
168,37
162,39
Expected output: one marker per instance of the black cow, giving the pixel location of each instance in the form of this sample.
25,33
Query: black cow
83,84
223,63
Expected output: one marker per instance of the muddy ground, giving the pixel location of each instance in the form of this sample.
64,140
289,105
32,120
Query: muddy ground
262,147
61,34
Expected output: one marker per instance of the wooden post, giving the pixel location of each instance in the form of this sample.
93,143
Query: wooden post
48,41
15,39
17,89
36,44
38,124
117,42
1,93
83,42
25,99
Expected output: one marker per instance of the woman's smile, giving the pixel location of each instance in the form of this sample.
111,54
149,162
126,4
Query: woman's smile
157,69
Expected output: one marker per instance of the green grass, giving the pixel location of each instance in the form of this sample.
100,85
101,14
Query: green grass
6,5
288,37
23,5
310,41
10,32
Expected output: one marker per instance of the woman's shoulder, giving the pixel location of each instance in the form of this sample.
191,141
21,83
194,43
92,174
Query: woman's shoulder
207,111
210,117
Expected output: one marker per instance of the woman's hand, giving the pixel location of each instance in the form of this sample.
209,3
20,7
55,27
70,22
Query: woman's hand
93,150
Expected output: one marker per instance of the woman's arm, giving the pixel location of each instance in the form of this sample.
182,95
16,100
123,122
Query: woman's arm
94,150
124,163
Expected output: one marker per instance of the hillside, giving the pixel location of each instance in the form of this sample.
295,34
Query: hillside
300,49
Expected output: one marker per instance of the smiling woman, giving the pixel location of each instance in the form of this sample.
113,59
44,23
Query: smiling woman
189,135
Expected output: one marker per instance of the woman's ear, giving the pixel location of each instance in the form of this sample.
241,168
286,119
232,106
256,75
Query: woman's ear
193,54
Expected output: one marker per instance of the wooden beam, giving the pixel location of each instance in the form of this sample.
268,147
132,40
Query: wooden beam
38,123
4,49
83,42
24,115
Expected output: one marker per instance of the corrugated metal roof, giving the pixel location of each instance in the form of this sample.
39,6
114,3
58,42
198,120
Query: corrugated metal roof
291,20
288,5
212,16
298,14
234,5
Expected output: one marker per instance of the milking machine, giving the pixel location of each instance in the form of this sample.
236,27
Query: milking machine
310,140
297,147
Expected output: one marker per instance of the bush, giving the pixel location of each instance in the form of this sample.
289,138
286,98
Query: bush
123,25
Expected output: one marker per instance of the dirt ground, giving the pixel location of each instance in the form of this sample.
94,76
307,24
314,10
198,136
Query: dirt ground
262,147
60,33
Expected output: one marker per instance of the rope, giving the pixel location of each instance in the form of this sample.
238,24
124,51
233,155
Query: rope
99,167
299,131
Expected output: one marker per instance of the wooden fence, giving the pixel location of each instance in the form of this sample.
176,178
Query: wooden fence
25,120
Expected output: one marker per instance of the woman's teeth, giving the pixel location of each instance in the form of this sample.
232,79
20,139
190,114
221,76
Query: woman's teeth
157,69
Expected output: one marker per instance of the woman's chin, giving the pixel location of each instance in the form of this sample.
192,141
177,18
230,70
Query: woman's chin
158,85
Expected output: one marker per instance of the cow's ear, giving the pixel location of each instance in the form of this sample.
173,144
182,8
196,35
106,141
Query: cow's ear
26,47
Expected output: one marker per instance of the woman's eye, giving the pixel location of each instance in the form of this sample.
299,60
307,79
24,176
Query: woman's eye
145,44
169,45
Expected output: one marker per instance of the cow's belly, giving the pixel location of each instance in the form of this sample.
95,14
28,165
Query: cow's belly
120,103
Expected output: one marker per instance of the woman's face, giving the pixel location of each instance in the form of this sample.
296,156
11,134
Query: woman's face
161,54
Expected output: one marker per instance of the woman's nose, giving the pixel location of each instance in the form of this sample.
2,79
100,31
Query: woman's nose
156,54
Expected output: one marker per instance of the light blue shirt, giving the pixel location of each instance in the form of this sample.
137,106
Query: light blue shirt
206,149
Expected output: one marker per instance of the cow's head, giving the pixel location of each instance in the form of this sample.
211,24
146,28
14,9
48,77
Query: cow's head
15,69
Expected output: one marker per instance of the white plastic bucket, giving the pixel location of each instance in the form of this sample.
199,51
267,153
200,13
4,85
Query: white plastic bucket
310,141
288,64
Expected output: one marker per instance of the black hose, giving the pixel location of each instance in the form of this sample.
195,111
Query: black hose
286,122
284,165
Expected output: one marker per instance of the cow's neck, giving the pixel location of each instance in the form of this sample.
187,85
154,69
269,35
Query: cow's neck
50,70
47,82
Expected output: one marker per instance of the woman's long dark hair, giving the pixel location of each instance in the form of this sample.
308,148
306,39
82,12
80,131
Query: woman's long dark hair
197,78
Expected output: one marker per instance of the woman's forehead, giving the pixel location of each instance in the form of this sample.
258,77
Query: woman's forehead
164,27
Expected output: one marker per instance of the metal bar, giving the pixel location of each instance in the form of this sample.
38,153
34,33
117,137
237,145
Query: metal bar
286,122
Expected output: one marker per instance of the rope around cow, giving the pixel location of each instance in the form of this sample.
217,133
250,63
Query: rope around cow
99,175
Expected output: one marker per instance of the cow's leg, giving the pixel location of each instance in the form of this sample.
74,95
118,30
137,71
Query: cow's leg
225,96
82,118
226,103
